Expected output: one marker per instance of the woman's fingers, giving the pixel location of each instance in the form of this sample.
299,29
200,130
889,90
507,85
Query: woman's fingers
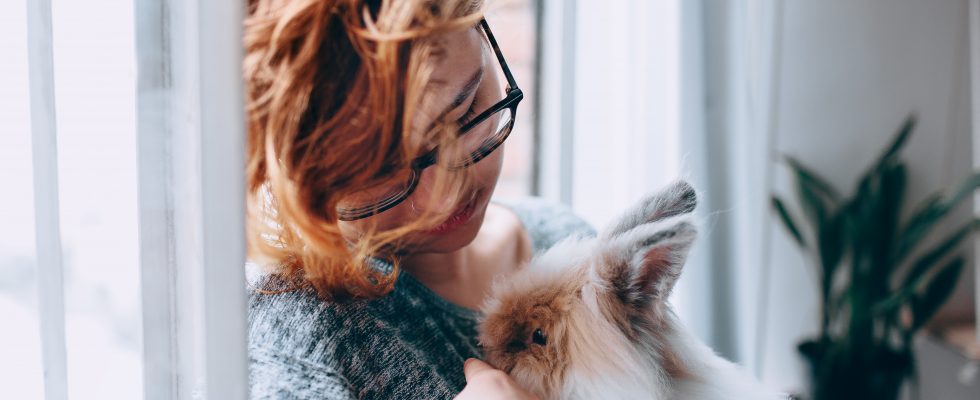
473,366
484,382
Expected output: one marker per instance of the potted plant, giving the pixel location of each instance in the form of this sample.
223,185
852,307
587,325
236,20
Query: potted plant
876,291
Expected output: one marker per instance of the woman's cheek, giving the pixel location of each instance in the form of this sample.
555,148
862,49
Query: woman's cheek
484,175
488,169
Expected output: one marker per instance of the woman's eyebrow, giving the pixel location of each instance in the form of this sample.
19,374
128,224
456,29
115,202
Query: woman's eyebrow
464,93
468,88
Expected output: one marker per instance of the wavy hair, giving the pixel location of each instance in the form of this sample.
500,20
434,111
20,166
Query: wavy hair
331,89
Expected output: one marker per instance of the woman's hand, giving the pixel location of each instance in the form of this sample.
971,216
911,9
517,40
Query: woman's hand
484,382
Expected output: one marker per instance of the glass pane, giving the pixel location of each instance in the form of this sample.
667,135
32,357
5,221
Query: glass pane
483,136
514,24
95,77
20,363
377,196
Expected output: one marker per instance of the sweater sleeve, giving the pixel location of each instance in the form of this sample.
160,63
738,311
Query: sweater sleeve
304,380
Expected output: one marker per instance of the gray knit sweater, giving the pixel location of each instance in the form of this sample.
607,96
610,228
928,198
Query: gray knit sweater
410,344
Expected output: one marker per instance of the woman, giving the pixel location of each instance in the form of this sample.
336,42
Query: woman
374,145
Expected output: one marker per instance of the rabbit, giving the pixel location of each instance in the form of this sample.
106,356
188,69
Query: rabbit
589,318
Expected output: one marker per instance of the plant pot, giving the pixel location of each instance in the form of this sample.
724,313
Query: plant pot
839,371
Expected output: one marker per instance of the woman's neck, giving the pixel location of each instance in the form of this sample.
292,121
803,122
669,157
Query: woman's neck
439,268
464,276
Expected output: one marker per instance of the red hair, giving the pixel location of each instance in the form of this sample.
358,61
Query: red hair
331,91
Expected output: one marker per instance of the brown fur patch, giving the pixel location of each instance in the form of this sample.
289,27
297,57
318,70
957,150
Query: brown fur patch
671,362
632,322
520,309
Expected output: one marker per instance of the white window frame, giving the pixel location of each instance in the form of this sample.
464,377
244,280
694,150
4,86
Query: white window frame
191,198
556,125
190,138
51,287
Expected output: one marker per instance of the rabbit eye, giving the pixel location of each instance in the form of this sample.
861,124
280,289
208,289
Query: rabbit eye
539,338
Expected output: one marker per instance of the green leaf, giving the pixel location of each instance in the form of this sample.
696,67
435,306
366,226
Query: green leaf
937,291
898,142
965,188
914,277
891,303
926,214
864,287
927,260
893,183
929,213
814,203
887,206
878,174
832,238
862,232
788,221
814,182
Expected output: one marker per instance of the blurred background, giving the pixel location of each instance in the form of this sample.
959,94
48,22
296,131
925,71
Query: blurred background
747,99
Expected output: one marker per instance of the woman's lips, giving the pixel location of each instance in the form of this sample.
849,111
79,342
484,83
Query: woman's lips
460,217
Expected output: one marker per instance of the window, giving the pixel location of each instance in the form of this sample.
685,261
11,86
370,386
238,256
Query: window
514,24
21,347
94,77
146,199
73,292
95,89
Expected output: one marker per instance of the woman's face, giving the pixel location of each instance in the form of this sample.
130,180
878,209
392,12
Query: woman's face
466,70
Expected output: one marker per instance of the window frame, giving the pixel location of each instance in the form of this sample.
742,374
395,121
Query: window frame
190,139
51,287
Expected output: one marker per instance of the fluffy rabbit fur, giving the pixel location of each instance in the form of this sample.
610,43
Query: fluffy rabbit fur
589,319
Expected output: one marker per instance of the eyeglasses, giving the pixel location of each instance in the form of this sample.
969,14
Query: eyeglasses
479,137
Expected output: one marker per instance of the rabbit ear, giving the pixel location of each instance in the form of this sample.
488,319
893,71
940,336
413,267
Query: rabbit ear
676,199
640,266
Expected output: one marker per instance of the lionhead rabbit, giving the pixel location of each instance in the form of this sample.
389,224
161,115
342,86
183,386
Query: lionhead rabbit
589,319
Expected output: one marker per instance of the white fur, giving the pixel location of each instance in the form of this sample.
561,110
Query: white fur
608,362
649,245
715,378
610,366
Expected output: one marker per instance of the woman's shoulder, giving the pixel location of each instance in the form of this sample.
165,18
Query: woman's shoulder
289,336
546,222
349,345
296,321
298,343
299,323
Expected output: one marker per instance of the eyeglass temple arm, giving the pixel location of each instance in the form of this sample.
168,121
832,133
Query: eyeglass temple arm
511,82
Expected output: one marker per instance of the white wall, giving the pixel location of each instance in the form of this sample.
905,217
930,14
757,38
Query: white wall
850,72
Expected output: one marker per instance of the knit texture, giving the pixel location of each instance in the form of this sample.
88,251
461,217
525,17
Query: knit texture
410,344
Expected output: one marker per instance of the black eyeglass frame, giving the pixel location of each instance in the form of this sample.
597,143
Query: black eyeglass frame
513,97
